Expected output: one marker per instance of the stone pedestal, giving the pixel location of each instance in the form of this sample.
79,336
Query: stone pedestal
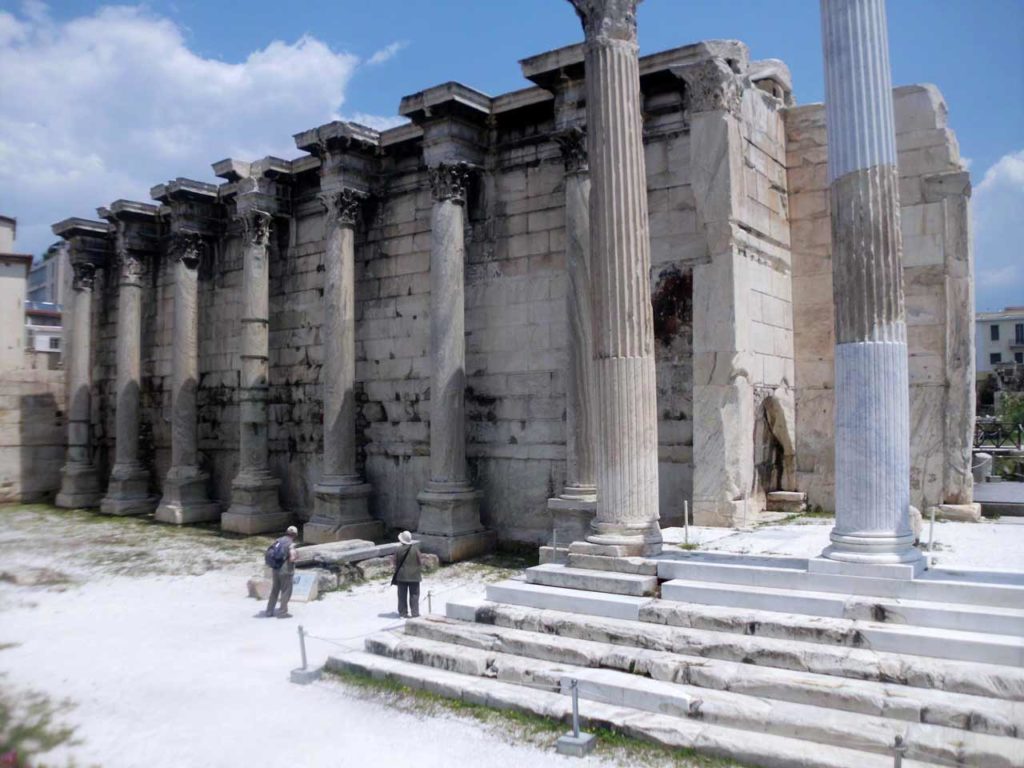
80,482
128,488
449,524
185,499
871,396
254,499
624,376
340,508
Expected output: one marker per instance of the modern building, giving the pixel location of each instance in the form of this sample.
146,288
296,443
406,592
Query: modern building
46,280
1000,338
14,269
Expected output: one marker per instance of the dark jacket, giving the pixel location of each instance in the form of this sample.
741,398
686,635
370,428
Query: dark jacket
410,570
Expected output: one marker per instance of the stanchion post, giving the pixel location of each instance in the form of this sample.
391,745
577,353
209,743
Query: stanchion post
302,646
575,744
430,604
686,522
304,675
899,749
931,530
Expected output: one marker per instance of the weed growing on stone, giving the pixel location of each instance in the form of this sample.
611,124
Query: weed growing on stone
30,725
517,726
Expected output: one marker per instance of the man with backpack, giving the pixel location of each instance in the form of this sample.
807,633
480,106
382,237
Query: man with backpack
280,557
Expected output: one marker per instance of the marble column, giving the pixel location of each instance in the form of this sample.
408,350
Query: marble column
449,524
573,509
254,491
185,498
341,497
128,487
627,457
80,482
871,391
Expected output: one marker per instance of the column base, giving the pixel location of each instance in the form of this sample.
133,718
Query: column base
874,550
571,518
340,512
627,540
255,507
185,499
726,514
79,487
128,492
449,525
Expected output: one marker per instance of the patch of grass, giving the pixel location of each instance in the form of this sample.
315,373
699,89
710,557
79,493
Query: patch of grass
518,726
688,547
30,725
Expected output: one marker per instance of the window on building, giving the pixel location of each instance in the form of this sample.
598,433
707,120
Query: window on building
55,342
995,357
1018,357
1018,333
994,332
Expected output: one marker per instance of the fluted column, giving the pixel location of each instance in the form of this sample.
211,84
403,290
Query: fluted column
627,455
80,482
128,488
573,510
254,502
185,498
340,506
871,395
449,524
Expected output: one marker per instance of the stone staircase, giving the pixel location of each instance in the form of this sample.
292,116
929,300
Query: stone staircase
759,660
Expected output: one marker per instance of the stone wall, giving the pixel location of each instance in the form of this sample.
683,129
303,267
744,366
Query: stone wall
938,280
32,434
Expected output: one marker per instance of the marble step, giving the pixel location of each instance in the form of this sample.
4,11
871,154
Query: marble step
932,587
609,582
786,501
733,710
901,703
882,610
982,647
762,750
557,598
758,638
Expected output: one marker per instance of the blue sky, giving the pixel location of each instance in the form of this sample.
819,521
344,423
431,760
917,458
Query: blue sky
119,98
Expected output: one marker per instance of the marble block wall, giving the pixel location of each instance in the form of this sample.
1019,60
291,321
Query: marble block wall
938,280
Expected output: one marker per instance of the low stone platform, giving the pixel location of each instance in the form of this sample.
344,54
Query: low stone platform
759,660
1000,499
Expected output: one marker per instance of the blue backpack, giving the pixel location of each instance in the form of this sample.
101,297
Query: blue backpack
277,553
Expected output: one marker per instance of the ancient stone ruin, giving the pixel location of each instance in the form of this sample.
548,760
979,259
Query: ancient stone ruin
473,327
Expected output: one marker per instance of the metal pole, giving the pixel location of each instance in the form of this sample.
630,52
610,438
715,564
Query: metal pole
430,605
899,749
302,645
574,687
931,531
686,522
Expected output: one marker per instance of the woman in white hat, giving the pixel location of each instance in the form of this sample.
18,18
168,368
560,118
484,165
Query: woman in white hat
407,576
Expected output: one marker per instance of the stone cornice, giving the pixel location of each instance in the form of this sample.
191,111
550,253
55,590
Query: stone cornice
450,181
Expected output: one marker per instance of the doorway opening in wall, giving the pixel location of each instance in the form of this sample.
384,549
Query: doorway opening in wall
769,454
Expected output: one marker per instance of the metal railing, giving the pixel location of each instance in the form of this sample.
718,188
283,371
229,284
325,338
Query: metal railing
998,435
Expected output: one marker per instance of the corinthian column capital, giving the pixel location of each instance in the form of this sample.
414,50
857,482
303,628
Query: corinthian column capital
608,22
131,264
343,206
712,85
573,143
85,275
188,248
449,181
256,227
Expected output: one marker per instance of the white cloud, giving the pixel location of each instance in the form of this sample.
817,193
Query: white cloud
387,53
104,106
998,215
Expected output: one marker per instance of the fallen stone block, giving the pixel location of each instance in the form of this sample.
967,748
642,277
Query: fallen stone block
964,513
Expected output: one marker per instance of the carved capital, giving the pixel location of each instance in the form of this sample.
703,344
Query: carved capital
608,22
712,85
344,206
573,143
449,181
256,227
132,267
188,248
85,275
